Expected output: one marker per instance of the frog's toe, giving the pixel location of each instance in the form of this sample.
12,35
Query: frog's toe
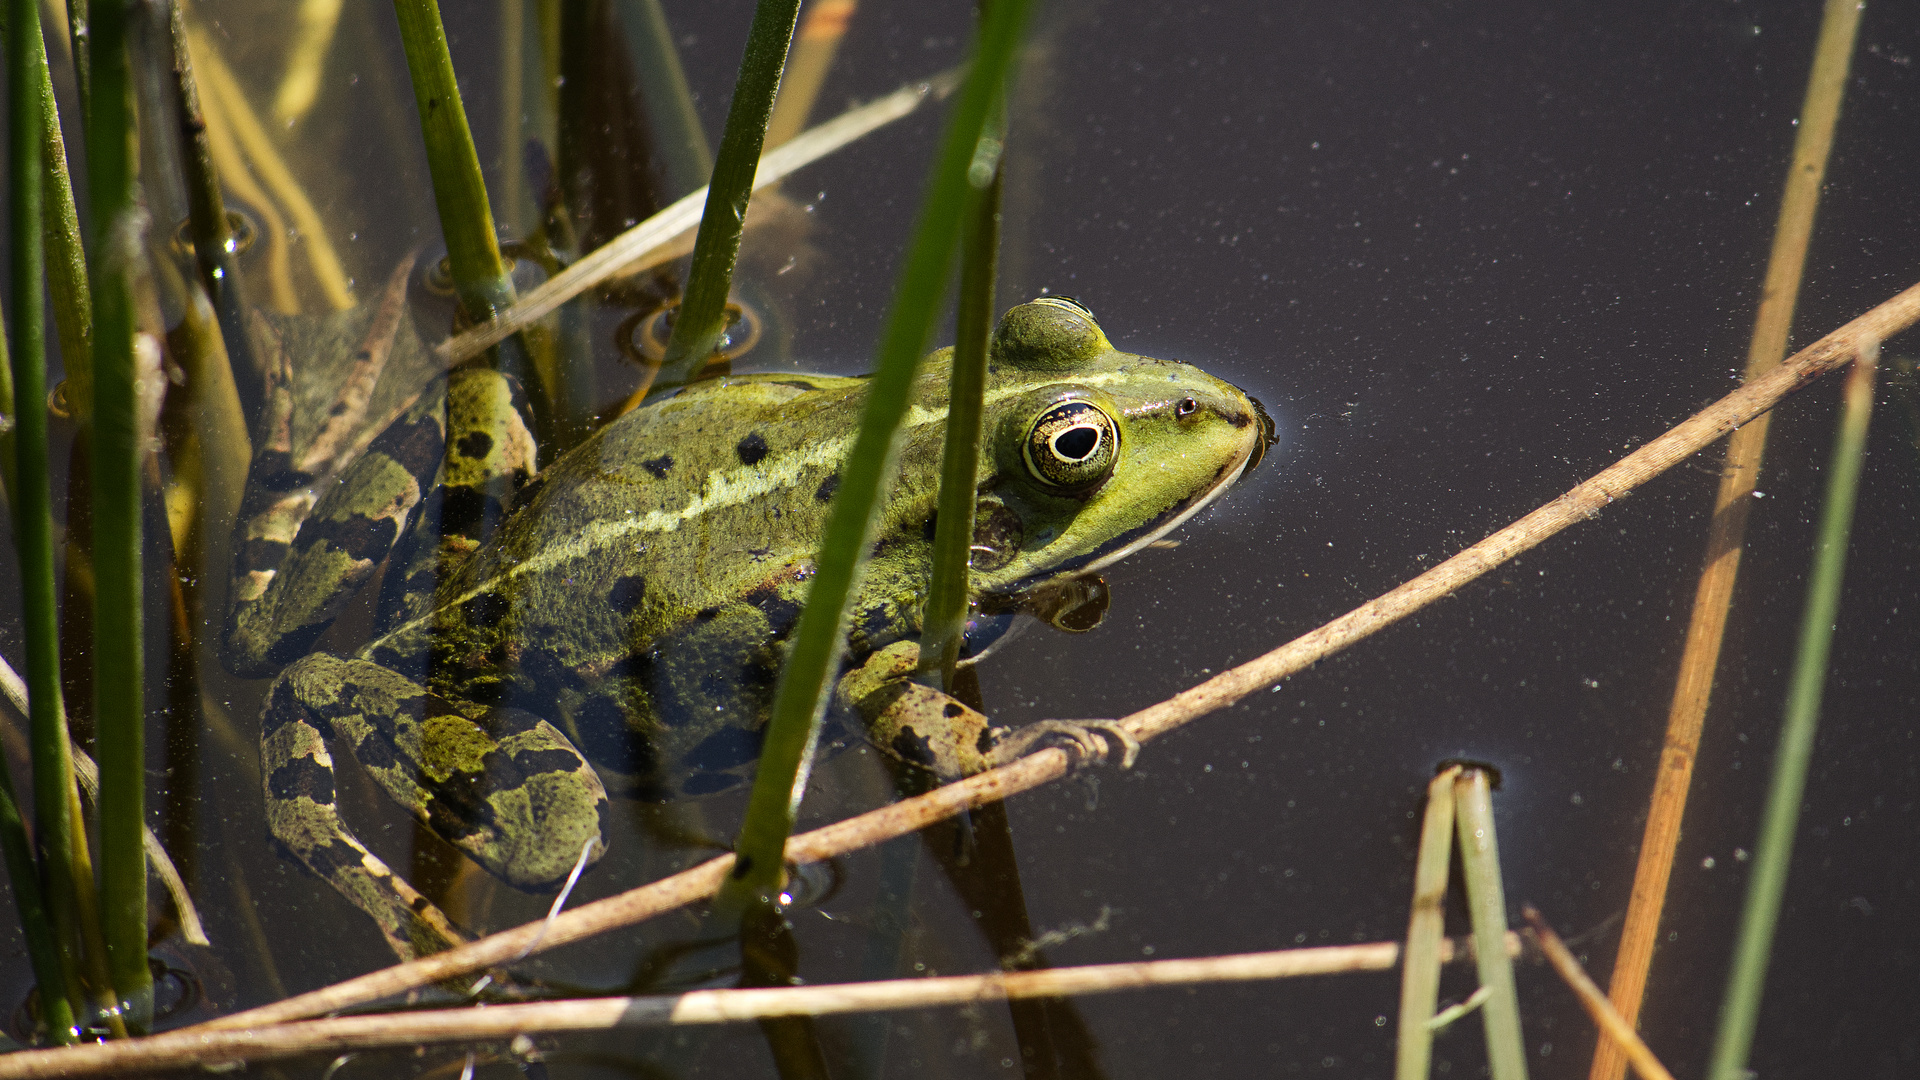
1086,740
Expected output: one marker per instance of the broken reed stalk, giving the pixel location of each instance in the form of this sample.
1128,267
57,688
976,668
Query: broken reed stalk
1610,1022
619,253
1740,1009
1487,904
1583,502
1426,930
30,502
118,457
206,1049
1726,535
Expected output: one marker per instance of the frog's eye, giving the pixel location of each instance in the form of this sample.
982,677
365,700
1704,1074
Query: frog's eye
1072,446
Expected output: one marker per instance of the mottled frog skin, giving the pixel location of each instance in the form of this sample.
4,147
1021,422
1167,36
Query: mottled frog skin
618,620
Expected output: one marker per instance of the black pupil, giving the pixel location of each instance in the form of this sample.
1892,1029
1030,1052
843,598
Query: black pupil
1076,443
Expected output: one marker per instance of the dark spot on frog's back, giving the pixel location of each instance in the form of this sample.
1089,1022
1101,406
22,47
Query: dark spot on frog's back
475,444
302,776
752,449
357,535
627,593
910,746
827,487
659,466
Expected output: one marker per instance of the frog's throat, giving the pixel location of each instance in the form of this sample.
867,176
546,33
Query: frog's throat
1194,505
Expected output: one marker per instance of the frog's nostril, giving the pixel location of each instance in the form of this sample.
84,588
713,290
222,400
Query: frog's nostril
1187,407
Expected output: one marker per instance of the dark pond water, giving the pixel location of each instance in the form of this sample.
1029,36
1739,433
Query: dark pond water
1466,256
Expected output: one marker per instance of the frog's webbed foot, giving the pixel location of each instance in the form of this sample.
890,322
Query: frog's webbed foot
1086,740
930,729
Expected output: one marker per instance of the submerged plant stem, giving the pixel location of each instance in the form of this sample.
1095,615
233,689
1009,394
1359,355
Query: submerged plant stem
702,317
1582,503
118,663
1740,1010
1726,536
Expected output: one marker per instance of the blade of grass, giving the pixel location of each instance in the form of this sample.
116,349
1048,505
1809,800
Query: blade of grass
80,38
1426,926
1487,903
30,499
702,318
801,694
944,625
67,261
1740,1009
1726,534
663,90
118,664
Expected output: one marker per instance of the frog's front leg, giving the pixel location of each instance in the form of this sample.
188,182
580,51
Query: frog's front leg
934,731
502,785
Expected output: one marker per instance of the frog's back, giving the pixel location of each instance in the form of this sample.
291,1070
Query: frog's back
643,588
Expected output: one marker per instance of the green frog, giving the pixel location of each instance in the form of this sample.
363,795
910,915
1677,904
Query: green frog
617,621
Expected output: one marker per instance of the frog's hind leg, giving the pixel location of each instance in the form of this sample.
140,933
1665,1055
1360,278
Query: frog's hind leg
303,552
503,786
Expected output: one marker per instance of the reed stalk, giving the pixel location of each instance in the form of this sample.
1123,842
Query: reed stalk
702,317
800,698
945,622
1740,1009
30,499
1726,536
1487,904
1426,928
459,190
118,665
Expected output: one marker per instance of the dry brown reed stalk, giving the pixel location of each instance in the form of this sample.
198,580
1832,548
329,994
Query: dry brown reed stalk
199,1047
1726,535
1583,502
1597,1005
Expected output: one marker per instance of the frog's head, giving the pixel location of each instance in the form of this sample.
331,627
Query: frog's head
1091,453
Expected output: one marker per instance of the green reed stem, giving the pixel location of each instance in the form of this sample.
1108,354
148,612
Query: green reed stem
459,189
213,242
702,317
1740,1009
30,495
945,622
118,669
675,124
1426,925
1487,904
67,258
800,699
